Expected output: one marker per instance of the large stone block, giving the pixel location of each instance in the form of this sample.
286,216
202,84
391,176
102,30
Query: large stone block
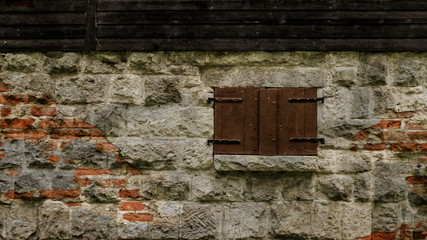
162,90
356,220
326,220
193,58
105,62
22,220
166,219
201,221
386,217
164,185
336,187
110,118
407,69
263,187
3,218
361,103
363,186
147,63
246,220
62,63
291,219
127,89
22,154
32,181
298,186
34,83
82,89
345,76
220,188
23,62
84,154
373,70
54,220
342,59
170,121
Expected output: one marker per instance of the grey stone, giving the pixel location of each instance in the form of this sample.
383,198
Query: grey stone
84,154
3,219
63,180
336,187
54,220
31,181
147,63
200,221
165,186
22,220
110,118
386,217
170,121
22,62
342,59
127,89
163,154
133,231
413,99
298,186
105,62
96,194
345,76
211,188
165,223
354,162
407,69
35,83
390,189
94,222
262,187
326,220
194,58
291,219
336,107
22,154
82,89
356,220
6,183
363,187
162,90
245,220
373,70
360,103
66,64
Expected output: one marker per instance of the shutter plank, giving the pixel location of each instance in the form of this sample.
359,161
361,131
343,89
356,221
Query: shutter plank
251,102
310,121
232,121
267,122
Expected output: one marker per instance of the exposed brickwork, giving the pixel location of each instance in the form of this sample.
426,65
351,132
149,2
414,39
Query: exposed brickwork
140,217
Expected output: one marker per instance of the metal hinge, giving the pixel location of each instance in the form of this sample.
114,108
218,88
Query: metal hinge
321,140
223,141
224,99
307,100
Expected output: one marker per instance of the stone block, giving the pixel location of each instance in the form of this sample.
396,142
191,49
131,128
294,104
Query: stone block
3,219
63,63
23,154
342,59
127,89
105,62
63,180
291,219
345,76
221,188
356,220
166,218
246,220
54,220
200,221
22,220
170,121
165,186
6,183
336,108
390,189
95,194
137,230
163,154
326,220
94,221
298,186
336,187
350,162
407,69
147,63
110,118
78,154
34,83
194,58
361,103
263,187
32,181
373,70
363,186
386,217
21,62
162,90
82,89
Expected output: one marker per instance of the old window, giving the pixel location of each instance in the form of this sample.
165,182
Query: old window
265,121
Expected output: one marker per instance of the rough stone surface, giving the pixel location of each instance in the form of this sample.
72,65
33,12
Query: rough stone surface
127,89
22,220
291,219
66,63
356,220
326,219
200,221
54,220
85,89
336,187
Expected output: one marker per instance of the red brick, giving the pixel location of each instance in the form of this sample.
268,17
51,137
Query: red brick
2,155
83,182
26,134
131,206
77,133
72,204
403,147
13,172
361,135
14,195
6,112
106,147
63,123
417,135
92,171
408,114
124,193
379,236
54,158
423,147
43,111
133,171
17,99
375,147
387,124
50,146
16,123
140,217
60,193
113,183
393,136
416,180
416,125
5,87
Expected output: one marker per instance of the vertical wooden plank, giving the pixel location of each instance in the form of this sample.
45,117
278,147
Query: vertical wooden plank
90,38
217,124
292,121
310,118
267,122
251,101
283,121
232,120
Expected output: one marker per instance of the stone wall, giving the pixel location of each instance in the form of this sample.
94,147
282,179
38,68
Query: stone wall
114,146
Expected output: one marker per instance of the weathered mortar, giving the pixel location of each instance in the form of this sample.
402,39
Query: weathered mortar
113,146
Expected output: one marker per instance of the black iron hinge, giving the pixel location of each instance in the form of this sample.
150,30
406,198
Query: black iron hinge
223,141
321,140
224,99
307,100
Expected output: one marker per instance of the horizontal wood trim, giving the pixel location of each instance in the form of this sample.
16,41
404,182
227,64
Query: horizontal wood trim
262,44
42,44
126,5
42,18
261,17
37,32
43,6
261,31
